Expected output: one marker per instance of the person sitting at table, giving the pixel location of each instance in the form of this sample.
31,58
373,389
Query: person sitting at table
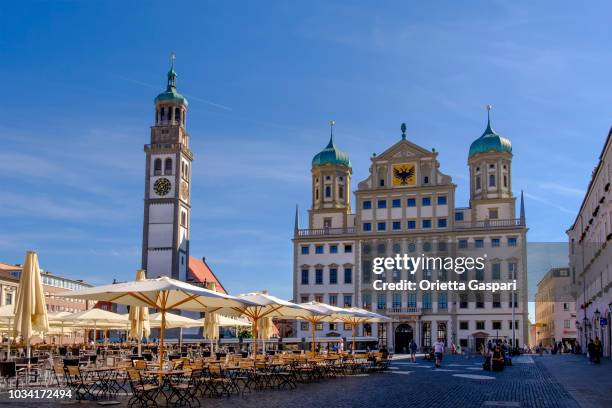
497,359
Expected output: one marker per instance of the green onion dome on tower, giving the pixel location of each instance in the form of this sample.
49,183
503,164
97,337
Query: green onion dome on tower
171,93
490,140
331,154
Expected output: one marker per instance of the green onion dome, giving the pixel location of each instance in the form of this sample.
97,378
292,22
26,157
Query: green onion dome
171,93
331,155
490,141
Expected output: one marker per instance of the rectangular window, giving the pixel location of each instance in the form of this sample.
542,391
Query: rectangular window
397,225
319,249
304,326
305,250
463,300
348,300
348,249
304,298
412,300
493,213
411,224
367,226
464,325
495,242
397,203
367,205
458,216
411,202
511,242
442,301
496,300
512,270
441,200
479,243
426,201
8,297
319,326
333,276
381,301
319,276
304,276
333,249
496,271
491,180
333,326
427,301
479,301
348,327
463,243
319,298
348,275
566,324
480,325
441,222
382,204
382,226
333,300
426,223
397,300
497,325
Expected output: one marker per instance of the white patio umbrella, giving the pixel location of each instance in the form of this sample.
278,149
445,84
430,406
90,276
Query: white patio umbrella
7,315
54,318
139,318
265,330
30,306
163,294
263,305
322,312
173,321
95,318
358,316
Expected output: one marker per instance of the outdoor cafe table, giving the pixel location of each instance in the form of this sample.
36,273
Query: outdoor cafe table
165,383
105,380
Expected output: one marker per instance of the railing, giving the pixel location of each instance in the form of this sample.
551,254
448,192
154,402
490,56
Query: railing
403,310
325,231
489,224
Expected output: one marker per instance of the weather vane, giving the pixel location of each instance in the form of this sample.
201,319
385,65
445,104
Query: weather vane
403,127
172,58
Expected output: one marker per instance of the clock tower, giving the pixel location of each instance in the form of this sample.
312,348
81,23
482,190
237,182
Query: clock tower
167,210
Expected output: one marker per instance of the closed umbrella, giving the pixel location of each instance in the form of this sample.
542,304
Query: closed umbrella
211,328
163,294
139,318
265,330
30,305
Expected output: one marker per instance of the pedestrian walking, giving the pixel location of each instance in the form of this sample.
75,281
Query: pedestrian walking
591,350
597,350
413,349
438,352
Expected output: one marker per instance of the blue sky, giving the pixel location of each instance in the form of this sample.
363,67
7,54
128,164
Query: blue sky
263,79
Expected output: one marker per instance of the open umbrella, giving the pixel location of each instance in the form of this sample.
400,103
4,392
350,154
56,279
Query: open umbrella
7,315
30,306
139,318
322,312
173,321
94,319
163,294
358,316
262,304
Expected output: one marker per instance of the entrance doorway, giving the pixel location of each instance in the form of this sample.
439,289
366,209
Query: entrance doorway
403,336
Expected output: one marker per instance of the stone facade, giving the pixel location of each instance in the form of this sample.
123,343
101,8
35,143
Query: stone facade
555,308
407,206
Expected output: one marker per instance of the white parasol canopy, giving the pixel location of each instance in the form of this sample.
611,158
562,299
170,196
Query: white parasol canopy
163,294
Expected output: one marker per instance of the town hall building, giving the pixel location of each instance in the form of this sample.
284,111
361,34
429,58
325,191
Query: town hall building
407,206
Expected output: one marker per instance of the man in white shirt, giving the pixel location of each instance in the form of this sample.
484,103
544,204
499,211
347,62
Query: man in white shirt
438,347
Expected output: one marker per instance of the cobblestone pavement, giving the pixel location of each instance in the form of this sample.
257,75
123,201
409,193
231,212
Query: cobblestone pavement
460,383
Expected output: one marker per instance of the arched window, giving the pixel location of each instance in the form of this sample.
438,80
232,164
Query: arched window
183,218
491,180
163,114
168,166
478,183
177,115
157,167
186,171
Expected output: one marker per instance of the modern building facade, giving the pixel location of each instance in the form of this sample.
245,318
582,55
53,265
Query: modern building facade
407,206
555,308
52,284
166,231
590,255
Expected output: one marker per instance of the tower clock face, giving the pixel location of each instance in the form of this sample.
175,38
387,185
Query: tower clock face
162,186
184,191
404,174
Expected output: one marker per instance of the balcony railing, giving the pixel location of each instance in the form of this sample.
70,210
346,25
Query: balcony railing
325,231
403,310
489,224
